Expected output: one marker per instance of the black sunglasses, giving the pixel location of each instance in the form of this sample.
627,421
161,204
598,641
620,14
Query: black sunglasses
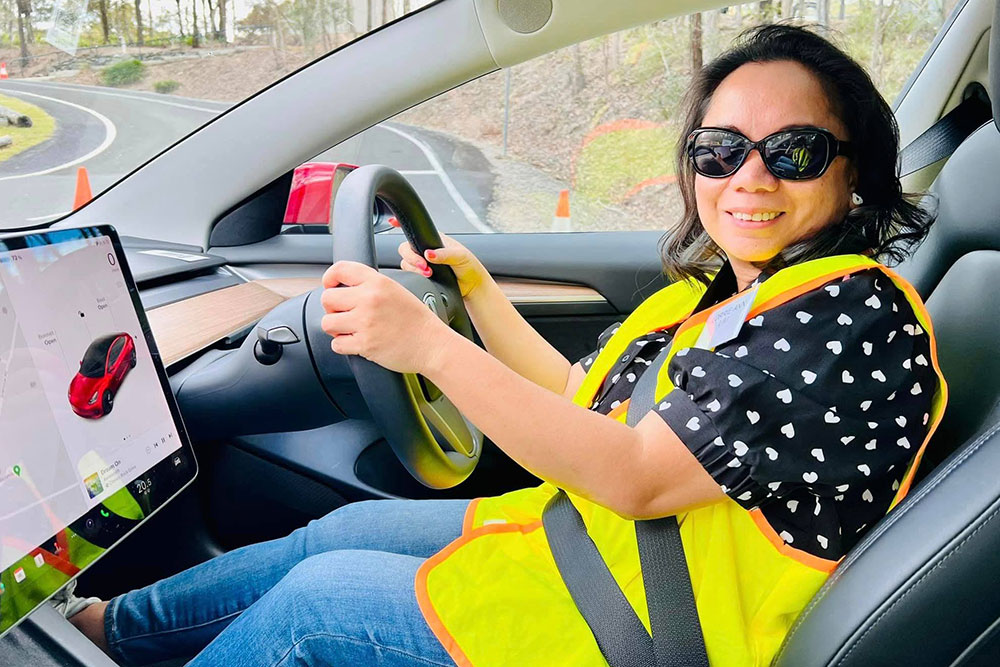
796,154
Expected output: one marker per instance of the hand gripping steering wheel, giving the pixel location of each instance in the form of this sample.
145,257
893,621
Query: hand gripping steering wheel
432,439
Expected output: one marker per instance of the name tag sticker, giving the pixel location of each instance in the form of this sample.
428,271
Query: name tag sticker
724,323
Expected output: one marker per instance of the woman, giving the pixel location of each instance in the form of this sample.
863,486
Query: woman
777,437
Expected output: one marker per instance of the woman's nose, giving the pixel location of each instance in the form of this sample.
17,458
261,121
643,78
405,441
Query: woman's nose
753,175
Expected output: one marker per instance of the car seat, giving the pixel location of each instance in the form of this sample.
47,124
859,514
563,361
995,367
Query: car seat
923,587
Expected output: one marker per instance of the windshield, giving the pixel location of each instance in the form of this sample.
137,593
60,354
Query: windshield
95,88
104,85
92,365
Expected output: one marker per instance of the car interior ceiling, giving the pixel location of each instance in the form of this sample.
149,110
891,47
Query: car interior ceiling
919,589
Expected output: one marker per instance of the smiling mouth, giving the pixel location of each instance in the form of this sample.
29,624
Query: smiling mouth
761,216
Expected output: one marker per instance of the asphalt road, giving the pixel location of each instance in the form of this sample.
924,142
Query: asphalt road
111,132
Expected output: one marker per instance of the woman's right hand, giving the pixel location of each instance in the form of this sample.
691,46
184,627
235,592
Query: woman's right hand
469,271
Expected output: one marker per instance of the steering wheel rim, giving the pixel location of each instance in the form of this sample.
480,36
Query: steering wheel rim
428,434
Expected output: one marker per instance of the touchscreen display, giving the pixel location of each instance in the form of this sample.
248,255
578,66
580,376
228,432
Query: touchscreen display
90,439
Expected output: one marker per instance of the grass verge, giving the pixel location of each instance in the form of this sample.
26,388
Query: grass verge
610,166
42,128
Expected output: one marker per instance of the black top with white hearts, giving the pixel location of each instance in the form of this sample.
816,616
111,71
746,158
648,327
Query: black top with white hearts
810,414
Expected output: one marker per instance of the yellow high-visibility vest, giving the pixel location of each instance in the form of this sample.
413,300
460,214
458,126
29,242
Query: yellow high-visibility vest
494,596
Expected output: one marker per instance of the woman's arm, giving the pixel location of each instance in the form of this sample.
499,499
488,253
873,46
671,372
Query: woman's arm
506,335
509,338
640,472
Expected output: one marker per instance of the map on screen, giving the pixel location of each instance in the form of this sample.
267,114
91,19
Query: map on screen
83,416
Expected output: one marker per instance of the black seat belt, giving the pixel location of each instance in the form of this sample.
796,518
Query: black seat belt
677,638
942,138
620,634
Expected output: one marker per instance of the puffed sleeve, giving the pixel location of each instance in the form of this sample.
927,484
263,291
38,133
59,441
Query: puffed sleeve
825,392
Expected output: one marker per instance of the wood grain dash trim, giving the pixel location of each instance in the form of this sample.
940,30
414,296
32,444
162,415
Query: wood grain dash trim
186,327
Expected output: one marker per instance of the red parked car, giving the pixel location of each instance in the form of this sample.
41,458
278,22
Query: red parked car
103,367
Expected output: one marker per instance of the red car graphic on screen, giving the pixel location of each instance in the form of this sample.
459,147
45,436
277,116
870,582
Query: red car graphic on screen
104,365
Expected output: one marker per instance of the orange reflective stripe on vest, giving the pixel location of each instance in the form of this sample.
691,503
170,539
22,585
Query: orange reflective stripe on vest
494,596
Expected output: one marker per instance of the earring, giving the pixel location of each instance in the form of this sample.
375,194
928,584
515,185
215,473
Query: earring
856,199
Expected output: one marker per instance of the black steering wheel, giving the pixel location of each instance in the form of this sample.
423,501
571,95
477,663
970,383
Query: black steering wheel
432,439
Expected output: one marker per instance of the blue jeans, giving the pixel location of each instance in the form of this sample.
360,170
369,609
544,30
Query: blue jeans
339,591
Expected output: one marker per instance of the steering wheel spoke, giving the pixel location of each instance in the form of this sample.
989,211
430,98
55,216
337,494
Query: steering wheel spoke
431,437
451,429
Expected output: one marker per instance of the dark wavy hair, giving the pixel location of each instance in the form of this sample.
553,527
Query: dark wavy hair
887,226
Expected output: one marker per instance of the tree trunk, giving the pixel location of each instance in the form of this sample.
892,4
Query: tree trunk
223,25
787,8
138,22
20,32
211,19
877,36
696,55
180,19
371,15
195,37
102,9
29,28
823,12
24,6
406,7
278,34
711,30
204,21
386,11
842,9
323,7
334,25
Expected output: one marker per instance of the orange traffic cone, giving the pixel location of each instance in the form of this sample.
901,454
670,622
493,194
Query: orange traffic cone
83,194
3,70
561,222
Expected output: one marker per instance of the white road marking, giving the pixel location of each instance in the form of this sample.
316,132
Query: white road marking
449,185
90,91
109,136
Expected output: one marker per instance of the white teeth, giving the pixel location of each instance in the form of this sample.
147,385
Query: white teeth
756,217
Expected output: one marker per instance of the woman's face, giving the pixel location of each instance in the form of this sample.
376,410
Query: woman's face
758,99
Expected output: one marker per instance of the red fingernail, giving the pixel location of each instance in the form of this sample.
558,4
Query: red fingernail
431,254
427,272
394,222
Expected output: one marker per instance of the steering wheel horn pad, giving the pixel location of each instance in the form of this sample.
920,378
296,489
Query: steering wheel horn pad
428,434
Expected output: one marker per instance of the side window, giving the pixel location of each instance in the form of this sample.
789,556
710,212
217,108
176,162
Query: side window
115,352
585,138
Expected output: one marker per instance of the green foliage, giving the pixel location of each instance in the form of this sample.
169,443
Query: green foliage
889,38
166,87
124,73
611,165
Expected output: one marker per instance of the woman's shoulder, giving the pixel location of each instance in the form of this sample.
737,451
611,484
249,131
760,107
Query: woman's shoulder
856,334
868,296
